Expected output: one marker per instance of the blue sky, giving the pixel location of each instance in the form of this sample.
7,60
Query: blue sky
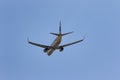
96,58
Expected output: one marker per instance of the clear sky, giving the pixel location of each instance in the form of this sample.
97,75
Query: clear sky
96,58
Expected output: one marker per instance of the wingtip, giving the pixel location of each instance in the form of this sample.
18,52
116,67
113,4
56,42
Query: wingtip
28,39
84,36
72,31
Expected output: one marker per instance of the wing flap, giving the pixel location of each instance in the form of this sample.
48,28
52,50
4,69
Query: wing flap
39,45
65,45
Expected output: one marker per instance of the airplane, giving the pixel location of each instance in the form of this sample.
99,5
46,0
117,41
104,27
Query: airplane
56,43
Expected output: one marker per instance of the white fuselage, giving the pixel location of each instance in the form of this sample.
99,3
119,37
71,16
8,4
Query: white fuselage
54,45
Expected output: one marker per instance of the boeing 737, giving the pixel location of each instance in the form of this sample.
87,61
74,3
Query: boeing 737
56,43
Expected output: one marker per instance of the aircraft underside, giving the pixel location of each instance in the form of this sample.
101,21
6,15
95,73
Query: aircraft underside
55,45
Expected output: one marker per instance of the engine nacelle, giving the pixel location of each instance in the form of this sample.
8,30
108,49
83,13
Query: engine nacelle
61,49
46,49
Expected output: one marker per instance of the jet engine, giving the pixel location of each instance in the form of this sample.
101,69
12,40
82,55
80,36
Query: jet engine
61,49
46,49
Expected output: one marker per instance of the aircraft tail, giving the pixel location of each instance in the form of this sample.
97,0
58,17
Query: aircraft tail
67,33
60,31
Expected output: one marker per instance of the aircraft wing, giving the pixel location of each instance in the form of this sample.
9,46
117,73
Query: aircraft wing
65,45
39,45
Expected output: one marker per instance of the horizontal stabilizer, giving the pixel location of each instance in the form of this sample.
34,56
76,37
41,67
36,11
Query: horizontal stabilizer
61,34
67,33
55,34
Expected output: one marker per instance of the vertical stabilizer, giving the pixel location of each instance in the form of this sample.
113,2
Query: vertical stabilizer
60,32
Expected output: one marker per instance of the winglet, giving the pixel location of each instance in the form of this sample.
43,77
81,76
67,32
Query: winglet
84,37
28,39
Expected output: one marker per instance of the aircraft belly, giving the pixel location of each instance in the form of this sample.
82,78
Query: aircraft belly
49,52
57,41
